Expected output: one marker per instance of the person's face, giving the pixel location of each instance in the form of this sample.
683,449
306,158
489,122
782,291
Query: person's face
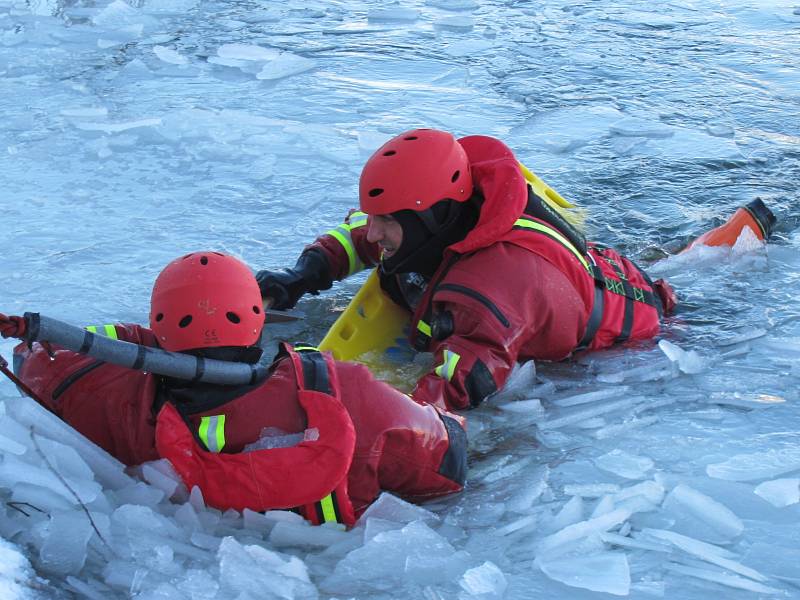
386,232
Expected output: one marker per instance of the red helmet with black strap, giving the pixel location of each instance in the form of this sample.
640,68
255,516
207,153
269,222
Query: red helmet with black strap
206,300
414,171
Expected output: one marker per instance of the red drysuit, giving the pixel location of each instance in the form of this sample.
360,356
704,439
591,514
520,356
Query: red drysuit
377,436
515,288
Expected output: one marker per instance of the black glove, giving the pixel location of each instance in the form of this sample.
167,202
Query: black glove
285,286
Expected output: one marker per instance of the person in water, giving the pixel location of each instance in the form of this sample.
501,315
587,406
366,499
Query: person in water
491,273
357,436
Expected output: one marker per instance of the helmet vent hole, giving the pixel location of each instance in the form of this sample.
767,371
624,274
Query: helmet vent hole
455,176
389,153
233,317
204,260
375,192
159,317
410,138
257,310
184,322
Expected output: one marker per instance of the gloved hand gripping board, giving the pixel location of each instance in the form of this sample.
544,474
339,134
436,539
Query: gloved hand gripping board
374,325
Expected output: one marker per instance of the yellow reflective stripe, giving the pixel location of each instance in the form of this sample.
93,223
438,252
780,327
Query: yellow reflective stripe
342,235
357,219
535,225
300,348
347,244
424,328
328,511
215,425
448,366
107,330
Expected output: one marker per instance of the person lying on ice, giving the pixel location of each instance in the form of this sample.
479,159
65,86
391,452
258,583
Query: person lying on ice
358,435
490,271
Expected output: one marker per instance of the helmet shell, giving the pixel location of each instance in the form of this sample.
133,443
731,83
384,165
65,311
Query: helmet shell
414,171
206,300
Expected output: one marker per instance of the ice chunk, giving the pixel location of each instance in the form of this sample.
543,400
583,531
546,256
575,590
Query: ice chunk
169,55
285,65
573,415
384,558
760,465
723,578
535,484
139,493
247,52
254,571
604,505
705,510
774,560
604,572
107,469
161,475
431,570
622,541
581,530
392,14
651,490
576,399
624,464
455,23
522,523
14,471
305,535
532,407
485,581
11,447
453,4
42,498
689,362
15,572
633,127
706,552
780,492
392,508
590,490
570,513
64,547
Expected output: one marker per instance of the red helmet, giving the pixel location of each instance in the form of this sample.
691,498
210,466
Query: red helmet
414,171
206,300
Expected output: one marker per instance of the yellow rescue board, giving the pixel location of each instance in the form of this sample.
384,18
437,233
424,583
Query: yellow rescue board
370,323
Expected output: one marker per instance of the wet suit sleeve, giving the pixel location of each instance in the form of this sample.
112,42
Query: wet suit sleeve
346,247
470,365
505,304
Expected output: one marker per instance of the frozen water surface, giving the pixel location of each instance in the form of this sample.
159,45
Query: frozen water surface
134,132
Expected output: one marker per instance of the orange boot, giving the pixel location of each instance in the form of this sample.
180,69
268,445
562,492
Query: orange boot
754,215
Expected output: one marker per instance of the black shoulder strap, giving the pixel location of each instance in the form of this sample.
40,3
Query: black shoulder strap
540,209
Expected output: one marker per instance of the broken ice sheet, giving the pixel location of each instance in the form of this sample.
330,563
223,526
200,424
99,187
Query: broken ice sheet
701,516
484,581
689,362
604,572
623,464
758,465
780,492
